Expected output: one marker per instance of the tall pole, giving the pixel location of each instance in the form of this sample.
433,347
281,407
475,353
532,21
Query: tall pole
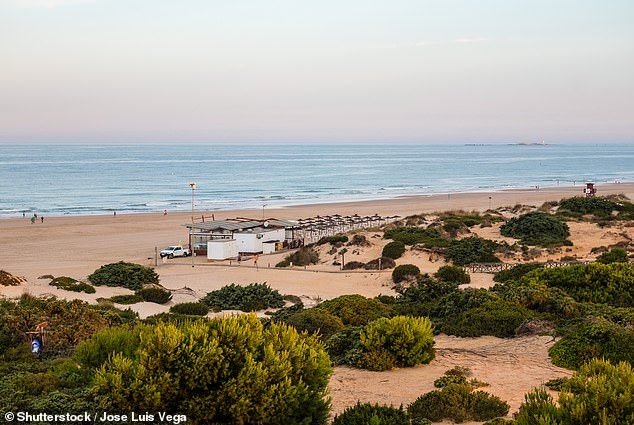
191,232
264,205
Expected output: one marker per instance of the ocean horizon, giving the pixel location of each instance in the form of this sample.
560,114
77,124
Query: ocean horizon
56,180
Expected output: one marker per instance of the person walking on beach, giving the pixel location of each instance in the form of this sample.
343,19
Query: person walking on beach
42,218
32,219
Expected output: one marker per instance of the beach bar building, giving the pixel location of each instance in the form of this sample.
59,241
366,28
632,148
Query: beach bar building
224,239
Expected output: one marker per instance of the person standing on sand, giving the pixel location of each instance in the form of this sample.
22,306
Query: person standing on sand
42,218
32,220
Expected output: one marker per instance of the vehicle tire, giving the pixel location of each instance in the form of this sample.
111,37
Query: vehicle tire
170,256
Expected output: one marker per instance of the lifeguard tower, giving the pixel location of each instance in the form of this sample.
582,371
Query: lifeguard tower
590,190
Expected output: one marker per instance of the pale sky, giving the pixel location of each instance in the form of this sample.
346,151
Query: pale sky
411,71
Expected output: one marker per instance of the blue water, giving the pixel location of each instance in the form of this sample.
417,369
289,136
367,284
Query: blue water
60,180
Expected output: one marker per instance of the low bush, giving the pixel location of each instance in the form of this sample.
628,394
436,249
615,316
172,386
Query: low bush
611,284
127,275
448,379
126,299
333,240
615,255
599,338
453,274
413,235
253,297
316,321
70,284
537,228
404,272
393,250
371,414
407,341
600,393
355,309
154,295
102,345
515,272
193,309
601,207
359,240
344,347
471,250
499,319
458,403
353,265
382,263
304,256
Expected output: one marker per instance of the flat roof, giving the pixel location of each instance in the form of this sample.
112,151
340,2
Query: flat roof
236,226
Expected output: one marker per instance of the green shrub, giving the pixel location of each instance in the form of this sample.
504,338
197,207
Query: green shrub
556,384
599,338
69,322
536,295
344,347
500,421
253,297
154,295
615,255
601,207
385,263
354,309
393,250
597,283
408,340
353,265
333,240
283,263
600,393
471,250
228,370
371,414
316,321
70,284
451,376
103,345
193,309
304,256
404,271
453,274
126,275
536,228
458,403
499,319
126,299
429,237
515,273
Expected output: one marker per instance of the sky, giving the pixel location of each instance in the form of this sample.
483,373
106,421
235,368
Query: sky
338,71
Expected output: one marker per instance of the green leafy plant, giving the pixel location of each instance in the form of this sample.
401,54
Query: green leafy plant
253,297
615,255
371,414
228,370
316,321
70,284
127,275
304,256
393,250
453,274
515,272
404,271
599,393
408,341
537,228
471,250
154,295
126,299
354,309
194,309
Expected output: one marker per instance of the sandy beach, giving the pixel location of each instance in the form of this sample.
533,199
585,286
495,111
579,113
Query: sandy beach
77,245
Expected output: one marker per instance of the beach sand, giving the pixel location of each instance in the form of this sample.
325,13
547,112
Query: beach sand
75,246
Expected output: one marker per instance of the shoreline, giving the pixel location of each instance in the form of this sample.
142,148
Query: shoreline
533,195
568,190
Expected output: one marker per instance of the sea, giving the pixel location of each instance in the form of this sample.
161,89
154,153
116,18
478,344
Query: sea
57,180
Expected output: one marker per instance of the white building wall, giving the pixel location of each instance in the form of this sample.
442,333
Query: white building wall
221,249
252,241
